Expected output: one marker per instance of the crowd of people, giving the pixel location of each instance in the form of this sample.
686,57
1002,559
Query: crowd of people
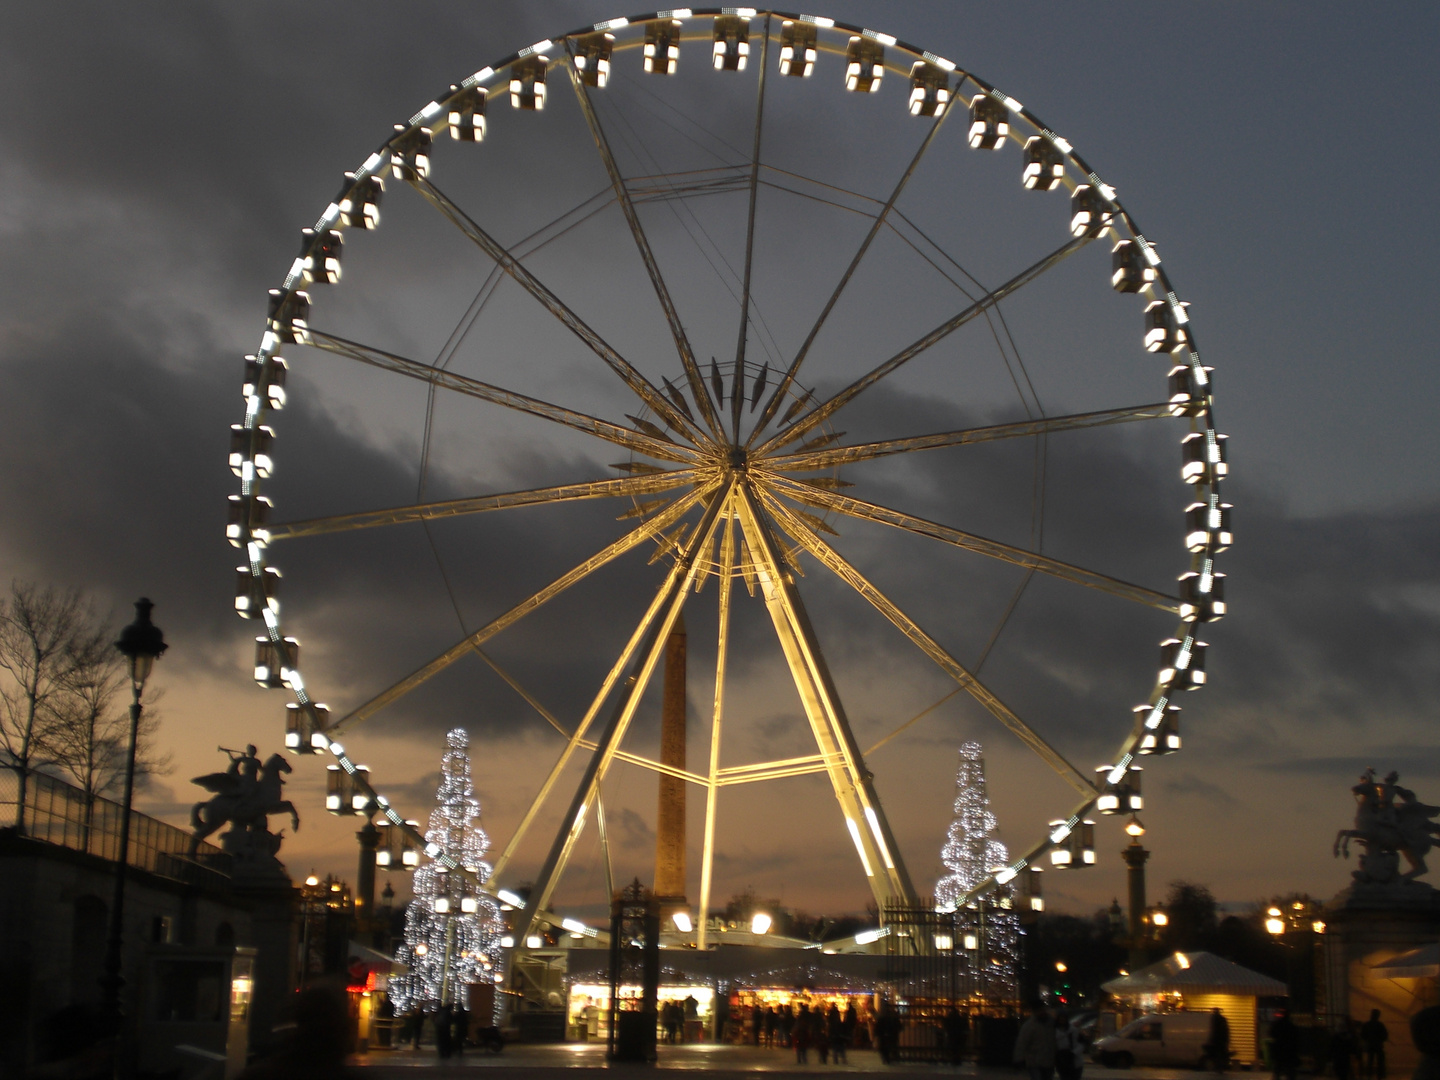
828,1032
450,1025
1049,1046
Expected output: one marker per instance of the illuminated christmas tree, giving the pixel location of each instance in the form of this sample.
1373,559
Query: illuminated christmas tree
452,930
972,852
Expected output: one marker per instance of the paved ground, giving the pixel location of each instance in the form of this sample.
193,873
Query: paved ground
562,1061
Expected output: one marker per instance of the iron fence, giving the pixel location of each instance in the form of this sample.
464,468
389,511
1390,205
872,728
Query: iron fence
936,961
64,815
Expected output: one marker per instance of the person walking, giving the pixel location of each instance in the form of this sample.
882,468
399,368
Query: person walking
460,1024
1069,1059
819,1037
887,1031
1373,1037
802,1035
1035,1045
1217,1048
835,1033
849,1023
1284,1039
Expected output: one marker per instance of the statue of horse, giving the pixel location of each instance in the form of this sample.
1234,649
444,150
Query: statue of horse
1389,818
242,802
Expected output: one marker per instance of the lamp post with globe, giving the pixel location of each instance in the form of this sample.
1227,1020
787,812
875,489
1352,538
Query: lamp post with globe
141,643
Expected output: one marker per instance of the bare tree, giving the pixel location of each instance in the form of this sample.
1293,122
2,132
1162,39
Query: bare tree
89,729
38,632
60,677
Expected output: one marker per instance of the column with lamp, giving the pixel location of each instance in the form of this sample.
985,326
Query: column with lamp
1135,856
141,643
1297,929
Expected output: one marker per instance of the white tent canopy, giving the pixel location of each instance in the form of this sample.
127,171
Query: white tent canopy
1196,973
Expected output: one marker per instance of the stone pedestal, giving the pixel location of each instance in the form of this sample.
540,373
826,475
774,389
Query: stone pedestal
259,881
1366,925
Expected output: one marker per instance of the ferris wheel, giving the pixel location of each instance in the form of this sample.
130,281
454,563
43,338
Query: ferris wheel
734,469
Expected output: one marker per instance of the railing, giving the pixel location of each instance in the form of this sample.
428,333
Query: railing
61,814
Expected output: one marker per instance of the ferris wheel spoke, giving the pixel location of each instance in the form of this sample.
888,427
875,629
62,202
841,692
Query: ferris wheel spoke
995,549
851,780
641,443
737,396
831,559
643,484
822,412
641,654
650,529
632,378
642,244
843,455
772,404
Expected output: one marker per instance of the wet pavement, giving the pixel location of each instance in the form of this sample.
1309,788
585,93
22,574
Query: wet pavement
561,1061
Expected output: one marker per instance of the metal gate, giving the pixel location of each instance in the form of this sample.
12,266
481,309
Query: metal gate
935,961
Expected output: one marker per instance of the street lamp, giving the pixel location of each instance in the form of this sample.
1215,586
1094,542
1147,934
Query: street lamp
1274,924
141,643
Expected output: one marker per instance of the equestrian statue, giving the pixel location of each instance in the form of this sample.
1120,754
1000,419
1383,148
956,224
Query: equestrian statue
245,794
1389,822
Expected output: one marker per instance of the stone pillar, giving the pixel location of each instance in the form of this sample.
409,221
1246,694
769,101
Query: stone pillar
670,826
259,881
1135,857
1366,925
273,936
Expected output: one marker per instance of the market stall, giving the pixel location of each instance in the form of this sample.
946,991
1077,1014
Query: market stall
1200,982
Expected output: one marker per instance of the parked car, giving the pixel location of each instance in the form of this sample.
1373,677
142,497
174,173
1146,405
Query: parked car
1168,1039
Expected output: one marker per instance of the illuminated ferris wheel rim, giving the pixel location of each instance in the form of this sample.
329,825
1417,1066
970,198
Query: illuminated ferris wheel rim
935,84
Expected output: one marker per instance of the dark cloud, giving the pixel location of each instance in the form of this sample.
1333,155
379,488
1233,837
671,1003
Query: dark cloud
184,148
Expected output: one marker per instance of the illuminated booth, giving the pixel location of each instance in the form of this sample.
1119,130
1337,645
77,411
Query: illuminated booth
726,984
1200,982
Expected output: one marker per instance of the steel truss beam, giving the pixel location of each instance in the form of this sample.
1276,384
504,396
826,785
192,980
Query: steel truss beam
632,378
772,405
645,484
825,410
652,268
663,449
737,394
722,652
845,455
854,790
646,645
661,521
995,549
837,565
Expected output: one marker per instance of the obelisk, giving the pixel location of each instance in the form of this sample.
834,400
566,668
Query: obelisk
670,821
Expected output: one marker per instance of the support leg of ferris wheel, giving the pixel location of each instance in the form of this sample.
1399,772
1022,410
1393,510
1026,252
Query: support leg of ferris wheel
722,648
671,599
854,790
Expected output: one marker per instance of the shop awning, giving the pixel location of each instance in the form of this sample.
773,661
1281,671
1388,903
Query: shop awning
1196,973
1421,963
